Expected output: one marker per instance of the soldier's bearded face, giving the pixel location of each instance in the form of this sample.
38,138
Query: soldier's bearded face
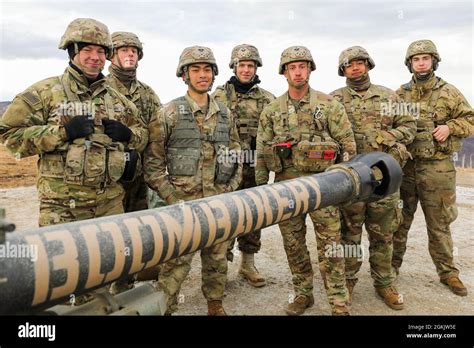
297,74
126,57
355,69
421,63
200,77
91,60
246,70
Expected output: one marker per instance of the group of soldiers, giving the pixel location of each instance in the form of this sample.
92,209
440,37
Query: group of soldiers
106,146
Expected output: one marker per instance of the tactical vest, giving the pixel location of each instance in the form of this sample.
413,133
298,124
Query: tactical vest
246,126
365,130
312,148
424,146
185,143
94,161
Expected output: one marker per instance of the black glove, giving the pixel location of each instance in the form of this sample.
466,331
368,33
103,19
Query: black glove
117,131
130,165
79,127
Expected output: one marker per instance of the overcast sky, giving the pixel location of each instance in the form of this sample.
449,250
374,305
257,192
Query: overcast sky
30,33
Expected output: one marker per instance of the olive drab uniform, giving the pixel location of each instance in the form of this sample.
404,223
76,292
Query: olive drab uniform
295,139
77,179
246,109
181,163
148,104
430,177
376,128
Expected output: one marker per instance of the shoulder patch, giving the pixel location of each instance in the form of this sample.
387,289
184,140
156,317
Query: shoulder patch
31,98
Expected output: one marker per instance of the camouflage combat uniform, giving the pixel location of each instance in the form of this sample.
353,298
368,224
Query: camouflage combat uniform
377,127
181,164
430,178
316,119
148,104
246,109
77,180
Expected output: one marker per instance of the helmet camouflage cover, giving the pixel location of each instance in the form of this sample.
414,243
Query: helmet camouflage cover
353,53
244,52
127,39
295,54
193,55
87,30
422,47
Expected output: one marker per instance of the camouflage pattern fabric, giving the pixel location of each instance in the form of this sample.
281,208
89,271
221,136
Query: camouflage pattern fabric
174,188
377,127
275,125
72,176
432,180
246,109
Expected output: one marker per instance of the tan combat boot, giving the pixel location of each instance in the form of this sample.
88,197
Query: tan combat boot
391,297
340,311
214,308
351,283
455,285
249,271
300,304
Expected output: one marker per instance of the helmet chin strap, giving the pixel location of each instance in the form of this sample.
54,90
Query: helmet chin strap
187,80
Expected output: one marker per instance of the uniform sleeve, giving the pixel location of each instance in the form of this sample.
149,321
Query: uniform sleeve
340,129
234,146
139,130
461,123
24,127
155,158
404,125
264,135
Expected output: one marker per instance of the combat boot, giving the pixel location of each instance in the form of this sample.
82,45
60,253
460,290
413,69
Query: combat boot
299,305
340,311
455,285
391,297
249,272
214,308
120,286
351,283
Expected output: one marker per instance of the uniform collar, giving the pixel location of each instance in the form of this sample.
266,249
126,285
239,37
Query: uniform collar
213,106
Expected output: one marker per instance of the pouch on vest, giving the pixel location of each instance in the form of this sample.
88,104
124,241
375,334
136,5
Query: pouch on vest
183,161
116,164
74,168
225,167
94,166
423,146
51,166
315,156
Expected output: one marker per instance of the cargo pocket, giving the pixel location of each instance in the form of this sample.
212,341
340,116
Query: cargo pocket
449,211
75,164
183,161
51,166
94,171
115,164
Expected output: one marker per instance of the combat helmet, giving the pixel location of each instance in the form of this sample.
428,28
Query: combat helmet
127,39
87,30
196,54
244,52
295,54
353,53
422,47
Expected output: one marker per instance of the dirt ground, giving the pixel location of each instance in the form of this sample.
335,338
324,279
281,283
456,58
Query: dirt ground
418,281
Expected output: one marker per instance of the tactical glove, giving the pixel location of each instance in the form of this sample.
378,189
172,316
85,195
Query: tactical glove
79,127
117,131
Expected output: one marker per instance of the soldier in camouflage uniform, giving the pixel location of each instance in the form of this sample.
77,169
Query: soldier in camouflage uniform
444,118
80,127
183,162
301,133
377,127
127,51
246,101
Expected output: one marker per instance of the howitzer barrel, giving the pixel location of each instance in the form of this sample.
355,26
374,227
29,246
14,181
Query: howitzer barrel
77,257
